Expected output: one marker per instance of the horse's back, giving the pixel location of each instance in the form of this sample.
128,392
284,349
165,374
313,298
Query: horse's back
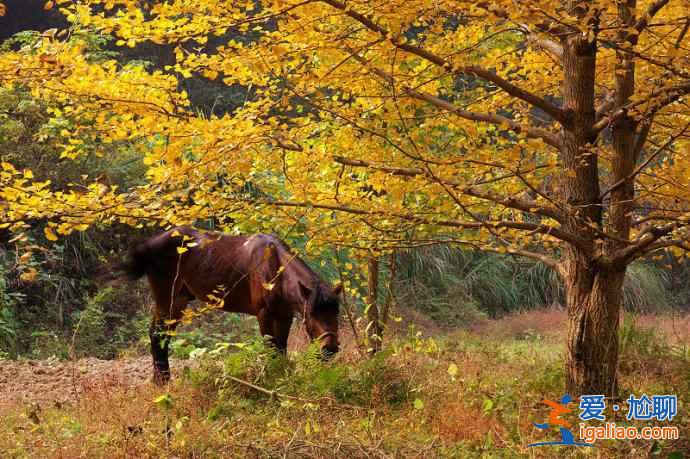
237,267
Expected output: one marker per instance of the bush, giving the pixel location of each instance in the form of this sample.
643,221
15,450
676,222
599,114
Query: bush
46,344
9,324
255,361
8,330
370,382
314,378
90,330
100,330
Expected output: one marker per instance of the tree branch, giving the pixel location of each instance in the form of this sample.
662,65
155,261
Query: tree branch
530,131
532,228
506,201
638,146
549,25
553,110
545,259
644,241
649,14
550,46
681,243
666,96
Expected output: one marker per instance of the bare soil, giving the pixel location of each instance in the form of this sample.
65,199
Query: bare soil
54,381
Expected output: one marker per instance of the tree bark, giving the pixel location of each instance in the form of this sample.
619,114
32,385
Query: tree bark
390,285
593,290
595,293
594,297
374,321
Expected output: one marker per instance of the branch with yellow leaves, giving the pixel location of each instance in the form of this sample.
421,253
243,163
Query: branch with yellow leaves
502,121
551,109
531,228
647,161
647,241
548,24
652,10
512,202
655,101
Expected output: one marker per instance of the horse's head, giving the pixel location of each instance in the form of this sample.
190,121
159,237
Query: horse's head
321,305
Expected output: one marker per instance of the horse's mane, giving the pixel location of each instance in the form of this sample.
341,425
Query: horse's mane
321,297
294,258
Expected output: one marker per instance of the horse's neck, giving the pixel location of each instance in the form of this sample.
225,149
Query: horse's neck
296,271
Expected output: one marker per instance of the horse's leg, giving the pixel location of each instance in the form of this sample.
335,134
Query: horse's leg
277,328
159,332
168,311
264,324
281,332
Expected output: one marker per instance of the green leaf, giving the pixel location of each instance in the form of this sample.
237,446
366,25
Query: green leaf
418,404
487,405
164,401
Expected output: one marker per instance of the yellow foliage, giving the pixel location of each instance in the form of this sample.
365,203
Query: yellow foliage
374,125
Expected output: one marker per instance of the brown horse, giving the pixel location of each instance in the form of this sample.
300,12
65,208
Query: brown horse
256,275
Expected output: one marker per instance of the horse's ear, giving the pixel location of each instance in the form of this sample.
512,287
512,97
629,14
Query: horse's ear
304,290
338,289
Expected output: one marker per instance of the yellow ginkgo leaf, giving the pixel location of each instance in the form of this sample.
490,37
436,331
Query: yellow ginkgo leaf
268,285
182,250
50,234
48,5
29,275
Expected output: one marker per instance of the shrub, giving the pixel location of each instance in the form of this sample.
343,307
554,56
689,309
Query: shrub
312,377
255,361
306,376
101,330
90,330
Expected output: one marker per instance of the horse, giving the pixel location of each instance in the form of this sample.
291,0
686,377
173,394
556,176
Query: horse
257,275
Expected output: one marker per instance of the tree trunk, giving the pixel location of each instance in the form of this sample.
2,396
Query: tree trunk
593,289
595,292
374,325
390,285
594,298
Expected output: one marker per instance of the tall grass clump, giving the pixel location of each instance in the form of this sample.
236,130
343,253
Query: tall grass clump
646,289
457,286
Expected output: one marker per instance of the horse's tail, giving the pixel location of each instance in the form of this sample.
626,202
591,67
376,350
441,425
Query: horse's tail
137,262
144,256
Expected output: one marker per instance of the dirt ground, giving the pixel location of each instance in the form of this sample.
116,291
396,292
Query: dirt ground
56,382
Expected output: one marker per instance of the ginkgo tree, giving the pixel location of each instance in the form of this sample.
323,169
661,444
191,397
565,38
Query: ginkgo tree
557,130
